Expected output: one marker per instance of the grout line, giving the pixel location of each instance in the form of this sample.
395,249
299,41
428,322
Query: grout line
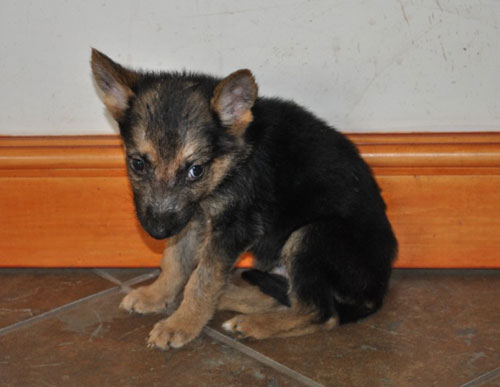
122,287
480,380
260,357
107,276
43,316
125,286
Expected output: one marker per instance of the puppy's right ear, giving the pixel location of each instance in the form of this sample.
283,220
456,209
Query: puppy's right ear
115,81
233,99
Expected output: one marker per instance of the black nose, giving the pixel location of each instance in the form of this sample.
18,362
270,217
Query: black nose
158,232
161,225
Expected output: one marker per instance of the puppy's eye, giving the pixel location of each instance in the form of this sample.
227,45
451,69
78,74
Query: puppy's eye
138,165
195,172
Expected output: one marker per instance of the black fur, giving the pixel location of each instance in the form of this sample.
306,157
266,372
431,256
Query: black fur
302,172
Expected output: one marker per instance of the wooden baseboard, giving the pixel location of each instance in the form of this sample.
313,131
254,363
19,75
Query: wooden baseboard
65,201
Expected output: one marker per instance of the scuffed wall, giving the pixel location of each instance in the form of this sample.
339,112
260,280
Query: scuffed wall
395,65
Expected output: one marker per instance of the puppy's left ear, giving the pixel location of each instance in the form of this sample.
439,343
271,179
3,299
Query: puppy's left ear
233,99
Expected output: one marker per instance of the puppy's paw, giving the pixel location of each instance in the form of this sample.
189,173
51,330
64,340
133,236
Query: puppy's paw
242,326
142,301
232,326
170,334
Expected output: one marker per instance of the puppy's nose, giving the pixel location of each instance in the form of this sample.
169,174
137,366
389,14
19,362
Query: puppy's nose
160,225
158,232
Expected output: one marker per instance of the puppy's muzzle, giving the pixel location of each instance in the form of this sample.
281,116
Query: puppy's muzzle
161,225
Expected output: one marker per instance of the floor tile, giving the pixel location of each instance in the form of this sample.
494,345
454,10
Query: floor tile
97,344
29,292
436,328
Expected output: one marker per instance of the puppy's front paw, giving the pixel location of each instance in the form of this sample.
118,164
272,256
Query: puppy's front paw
142,301
170,334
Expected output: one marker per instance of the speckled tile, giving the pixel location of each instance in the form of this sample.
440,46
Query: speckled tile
436,328
97,344
25,293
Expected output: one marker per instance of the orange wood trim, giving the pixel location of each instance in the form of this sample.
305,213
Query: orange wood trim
407,152
65,201
93,152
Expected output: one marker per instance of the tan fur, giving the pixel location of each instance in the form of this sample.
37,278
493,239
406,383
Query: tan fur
115,104
285,322
219,170
167,288
242,297
201,295
145,147
188,150
291,247
239,126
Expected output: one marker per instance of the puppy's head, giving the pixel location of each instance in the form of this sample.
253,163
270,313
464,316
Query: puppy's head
182,135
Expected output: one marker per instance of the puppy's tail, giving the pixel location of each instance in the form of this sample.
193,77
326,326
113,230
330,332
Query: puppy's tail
273,285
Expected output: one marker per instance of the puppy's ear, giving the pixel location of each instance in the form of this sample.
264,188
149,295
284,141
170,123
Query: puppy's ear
233,99
115,82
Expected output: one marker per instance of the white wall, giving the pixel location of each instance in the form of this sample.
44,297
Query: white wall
363,65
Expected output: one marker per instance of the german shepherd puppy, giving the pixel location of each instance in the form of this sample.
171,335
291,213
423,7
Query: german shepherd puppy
219,171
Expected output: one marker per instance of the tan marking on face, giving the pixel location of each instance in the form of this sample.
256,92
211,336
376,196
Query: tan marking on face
167,170
146,147
186,152
219,170
142,143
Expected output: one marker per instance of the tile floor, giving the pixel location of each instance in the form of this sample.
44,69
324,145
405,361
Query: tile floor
63,328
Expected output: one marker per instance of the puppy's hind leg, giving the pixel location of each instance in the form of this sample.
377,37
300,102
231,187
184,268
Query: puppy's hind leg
242,297
299,318
333,280
285,322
